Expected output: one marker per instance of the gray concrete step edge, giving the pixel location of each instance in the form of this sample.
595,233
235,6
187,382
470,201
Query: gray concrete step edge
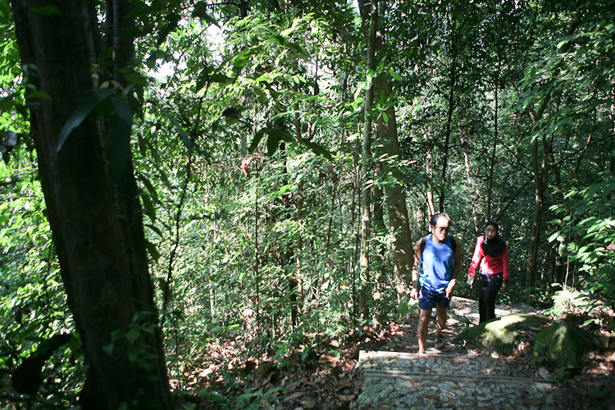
478,378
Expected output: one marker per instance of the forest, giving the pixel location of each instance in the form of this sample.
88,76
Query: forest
192,188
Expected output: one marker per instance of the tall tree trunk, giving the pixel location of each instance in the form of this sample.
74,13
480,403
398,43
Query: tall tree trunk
530,278
294,283
366,160
96,221
471,185
388,150
449,114
379,256
495,144
538,169
429,200
447,135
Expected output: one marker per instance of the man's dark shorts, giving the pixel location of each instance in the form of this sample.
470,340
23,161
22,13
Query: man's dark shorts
429,298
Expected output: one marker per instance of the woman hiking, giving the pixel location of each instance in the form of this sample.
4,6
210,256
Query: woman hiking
491,257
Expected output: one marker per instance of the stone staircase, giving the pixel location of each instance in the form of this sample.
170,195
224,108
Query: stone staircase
410,381
453,377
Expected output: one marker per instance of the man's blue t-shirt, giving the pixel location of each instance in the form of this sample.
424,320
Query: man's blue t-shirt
438,260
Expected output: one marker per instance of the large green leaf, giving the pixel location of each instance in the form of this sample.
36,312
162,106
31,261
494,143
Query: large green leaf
119,141
82,111
182,132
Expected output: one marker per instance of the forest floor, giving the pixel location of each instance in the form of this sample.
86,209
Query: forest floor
329,378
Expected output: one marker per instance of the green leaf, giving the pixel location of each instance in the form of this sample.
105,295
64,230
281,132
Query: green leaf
5,9
150,187
109,349
203,79
151,248
119,141
156,55
182,132
249,395
142,145
220,79
272,143
46,10
82,111
155,229
213,396
317,149
132,334
39,94
260,93
257,139
149,209
395,75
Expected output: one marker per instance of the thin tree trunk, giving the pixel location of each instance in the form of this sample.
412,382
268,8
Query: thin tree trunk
431,207
294,283
379,256
493,151
96,221
449,116
447,134
537,170
366,159
477,194
537,224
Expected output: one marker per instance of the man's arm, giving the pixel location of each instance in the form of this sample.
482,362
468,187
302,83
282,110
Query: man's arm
415,270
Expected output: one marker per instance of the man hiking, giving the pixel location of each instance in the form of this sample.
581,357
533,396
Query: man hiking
437,262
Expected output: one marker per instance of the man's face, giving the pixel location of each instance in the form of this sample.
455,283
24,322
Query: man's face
441,229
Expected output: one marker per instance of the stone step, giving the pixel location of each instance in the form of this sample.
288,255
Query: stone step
410,381
440,364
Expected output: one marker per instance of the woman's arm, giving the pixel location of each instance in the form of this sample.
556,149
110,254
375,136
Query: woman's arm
478,250
505,263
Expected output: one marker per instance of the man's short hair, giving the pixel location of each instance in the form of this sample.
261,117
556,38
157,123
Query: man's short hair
433,220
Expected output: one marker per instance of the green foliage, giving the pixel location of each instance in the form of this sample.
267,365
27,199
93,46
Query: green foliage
32,300
587,233
246,142
569,300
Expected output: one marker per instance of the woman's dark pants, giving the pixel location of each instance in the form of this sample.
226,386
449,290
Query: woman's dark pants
488,288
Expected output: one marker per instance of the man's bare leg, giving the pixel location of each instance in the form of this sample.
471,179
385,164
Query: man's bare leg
442,317
424,318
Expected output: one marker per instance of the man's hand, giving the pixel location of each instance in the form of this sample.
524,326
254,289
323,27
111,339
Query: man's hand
504,286
414,294
449,288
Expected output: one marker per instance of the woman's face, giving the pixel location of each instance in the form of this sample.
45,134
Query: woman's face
491,232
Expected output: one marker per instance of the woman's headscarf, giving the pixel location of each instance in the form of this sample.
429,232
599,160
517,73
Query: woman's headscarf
493,247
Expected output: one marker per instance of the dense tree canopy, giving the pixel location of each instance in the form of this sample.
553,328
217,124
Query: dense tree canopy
178,173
